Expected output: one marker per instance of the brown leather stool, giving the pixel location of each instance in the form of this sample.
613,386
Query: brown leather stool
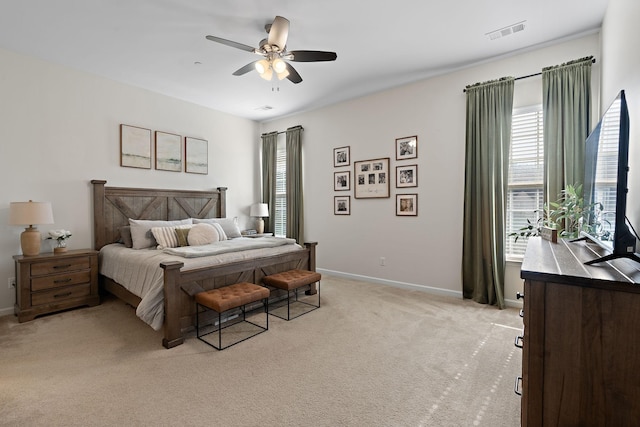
291,281
227,298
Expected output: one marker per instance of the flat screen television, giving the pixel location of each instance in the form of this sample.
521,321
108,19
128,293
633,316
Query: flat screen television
605,184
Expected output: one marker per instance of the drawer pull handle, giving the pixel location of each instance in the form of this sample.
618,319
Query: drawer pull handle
519,295
522,312
68,279
518,341
516,387
66,294
62,266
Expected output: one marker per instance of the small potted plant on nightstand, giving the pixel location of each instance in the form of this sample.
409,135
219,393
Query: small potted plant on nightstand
61,236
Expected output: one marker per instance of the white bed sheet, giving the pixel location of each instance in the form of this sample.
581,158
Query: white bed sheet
138,270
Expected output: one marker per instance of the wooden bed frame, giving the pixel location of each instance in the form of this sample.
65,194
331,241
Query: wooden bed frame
112,208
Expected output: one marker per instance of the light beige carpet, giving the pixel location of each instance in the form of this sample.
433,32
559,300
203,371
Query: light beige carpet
372,355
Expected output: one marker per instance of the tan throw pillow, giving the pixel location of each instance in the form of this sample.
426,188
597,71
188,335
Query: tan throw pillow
202,234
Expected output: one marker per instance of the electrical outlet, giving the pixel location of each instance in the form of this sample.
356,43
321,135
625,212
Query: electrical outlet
12,282
382,261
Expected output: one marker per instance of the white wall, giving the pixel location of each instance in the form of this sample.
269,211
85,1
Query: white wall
621,70
425,251
59,128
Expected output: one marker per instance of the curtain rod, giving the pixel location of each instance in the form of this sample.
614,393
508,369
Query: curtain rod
283,131
593,61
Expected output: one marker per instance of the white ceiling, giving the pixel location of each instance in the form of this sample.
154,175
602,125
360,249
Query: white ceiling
155,44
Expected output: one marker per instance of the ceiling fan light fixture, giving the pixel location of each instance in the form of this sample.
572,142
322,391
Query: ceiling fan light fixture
283,74
279,65
262,66
267,75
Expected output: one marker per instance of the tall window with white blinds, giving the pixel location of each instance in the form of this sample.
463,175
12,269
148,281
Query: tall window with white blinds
526,176
281,189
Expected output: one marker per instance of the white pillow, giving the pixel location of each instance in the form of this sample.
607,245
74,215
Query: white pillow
166,236
229,225
141,236
202,234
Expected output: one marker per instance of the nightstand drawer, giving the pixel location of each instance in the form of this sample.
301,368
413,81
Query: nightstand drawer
60,266
60,294
60,280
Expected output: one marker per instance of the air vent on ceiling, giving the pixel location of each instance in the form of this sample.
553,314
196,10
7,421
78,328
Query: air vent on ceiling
506,31
265,108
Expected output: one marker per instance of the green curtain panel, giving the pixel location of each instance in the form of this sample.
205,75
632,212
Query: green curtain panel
566,104
295,211
488,136
269,155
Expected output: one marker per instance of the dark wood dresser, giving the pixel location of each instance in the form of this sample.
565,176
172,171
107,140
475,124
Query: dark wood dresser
51,282
581,345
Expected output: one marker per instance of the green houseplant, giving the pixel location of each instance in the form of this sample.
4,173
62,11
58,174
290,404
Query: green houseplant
564,215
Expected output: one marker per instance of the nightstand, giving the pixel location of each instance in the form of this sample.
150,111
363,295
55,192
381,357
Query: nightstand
47,283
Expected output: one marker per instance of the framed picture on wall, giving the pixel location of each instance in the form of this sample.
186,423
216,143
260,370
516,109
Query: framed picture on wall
342,205
406,176
196,155
135,147
371,178
407,148
406,205
168,152
341,157
342,181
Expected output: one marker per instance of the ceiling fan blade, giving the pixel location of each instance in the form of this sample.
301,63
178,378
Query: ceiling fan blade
231,43
244,70
279,32
293,76
312,55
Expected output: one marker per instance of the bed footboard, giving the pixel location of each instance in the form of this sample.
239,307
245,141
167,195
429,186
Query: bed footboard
179,308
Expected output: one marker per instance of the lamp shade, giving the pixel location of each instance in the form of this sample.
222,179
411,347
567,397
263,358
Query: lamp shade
260,210
30,213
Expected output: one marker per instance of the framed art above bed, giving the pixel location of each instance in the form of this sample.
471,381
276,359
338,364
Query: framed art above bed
168,152
196,154
135,147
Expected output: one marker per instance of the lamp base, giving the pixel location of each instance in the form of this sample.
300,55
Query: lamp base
260,226
30,241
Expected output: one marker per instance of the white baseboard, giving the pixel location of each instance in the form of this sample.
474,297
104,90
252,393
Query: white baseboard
394,283
513,303
404,285
6,311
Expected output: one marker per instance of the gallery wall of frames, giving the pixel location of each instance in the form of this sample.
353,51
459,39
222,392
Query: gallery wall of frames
372,178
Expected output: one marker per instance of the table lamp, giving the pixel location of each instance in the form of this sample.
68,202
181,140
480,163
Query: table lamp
259,210
30,213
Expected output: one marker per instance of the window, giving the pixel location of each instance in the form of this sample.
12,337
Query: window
281,188
526,175
607,169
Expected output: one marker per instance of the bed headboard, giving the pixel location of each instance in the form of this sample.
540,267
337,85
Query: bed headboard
113,206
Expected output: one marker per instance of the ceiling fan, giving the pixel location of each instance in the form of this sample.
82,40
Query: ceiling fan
274,51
